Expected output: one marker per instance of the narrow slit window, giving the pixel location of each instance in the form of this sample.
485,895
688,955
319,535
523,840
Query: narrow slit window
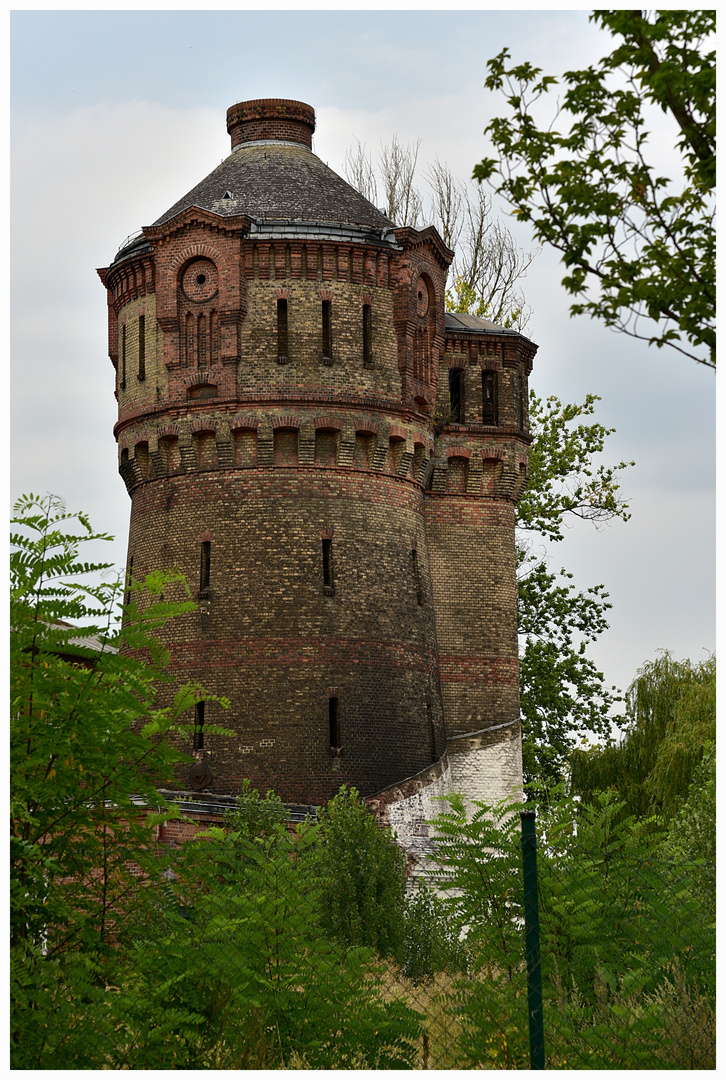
456,396
327,566
202,341
205,567
432,732
334,723
123,357
367,336
199,726
142,346
416,575
129,575
282,329
489,397
327,330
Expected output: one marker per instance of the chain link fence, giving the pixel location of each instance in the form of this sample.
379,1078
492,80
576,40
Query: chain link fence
256,946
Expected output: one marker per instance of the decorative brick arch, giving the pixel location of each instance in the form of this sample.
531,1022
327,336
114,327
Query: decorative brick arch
204,424
367,427
169,431
327,423
288,421
199,378
200,249
244,423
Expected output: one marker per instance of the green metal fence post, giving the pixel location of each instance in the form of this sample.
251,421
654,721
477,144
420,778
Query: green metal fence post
531,928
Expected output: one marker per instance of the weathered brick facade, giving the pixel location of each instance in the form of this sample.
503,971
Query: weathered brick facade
334,463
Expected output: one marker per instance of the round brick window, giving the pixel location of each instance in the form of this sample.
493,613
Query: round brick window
422,296
200,280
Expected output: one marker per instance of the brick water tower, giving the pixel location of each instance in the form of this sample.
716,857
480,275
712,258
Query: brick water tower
284,373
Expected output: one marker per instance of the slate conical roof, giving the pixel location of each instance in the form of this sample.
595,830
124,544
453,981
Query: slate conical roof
272,174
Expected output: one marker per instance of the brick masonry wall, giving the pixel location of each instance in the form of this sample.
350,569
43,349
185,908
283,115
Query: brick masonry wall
258,338
473,573
136,393
274,643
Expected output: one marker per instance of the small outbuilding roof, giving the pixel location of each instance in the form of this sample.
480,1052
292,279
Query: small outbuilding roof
467,323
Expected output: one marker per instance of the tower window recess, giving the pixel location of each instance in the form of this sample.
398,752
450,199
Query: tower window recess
327,331
282,331
328,587
416,575
489,397
202,340
520,401
199,726
129,573
367,336
142,347
123,357
432,732
456,395
334,723
204,569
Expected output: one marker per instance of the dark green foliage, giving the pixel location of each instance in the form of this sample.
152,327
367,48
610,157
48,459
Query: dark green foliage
125,955
480,860
627,940
670,721
363,872
637,246
250,969
431,942
87,745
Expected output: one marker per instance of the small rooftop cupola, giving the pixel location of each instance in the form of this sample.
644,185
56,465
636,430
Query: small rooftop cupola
271,120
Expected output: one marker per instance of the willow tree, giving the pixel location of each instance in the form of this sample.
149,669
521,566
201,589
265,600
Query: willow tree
670,726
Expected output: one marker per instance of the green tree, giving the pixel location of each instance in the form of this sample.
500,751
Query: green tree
638,247
363,876
125,954
87,746
564,698
233,966
670,724
627,939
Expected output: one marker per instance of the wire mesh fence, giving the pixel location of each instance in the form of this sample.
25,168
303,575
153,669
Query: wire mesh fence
259,946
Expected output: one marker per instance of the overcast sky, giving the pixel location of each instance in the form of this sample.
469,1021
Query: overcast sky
116,115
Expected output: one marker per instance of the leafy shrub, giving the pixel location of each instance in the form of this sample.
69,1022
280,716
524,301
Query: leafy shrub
362,874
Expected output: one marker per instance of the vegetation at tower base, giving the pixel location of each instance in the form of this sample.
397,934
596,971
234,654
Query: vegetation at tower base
488,266
248,966
638,246
87,743
627,938
365,872
223,954
563,696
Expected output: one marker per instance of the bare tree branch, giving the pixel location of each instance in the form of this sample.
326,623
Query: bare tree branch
359,171
397,167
